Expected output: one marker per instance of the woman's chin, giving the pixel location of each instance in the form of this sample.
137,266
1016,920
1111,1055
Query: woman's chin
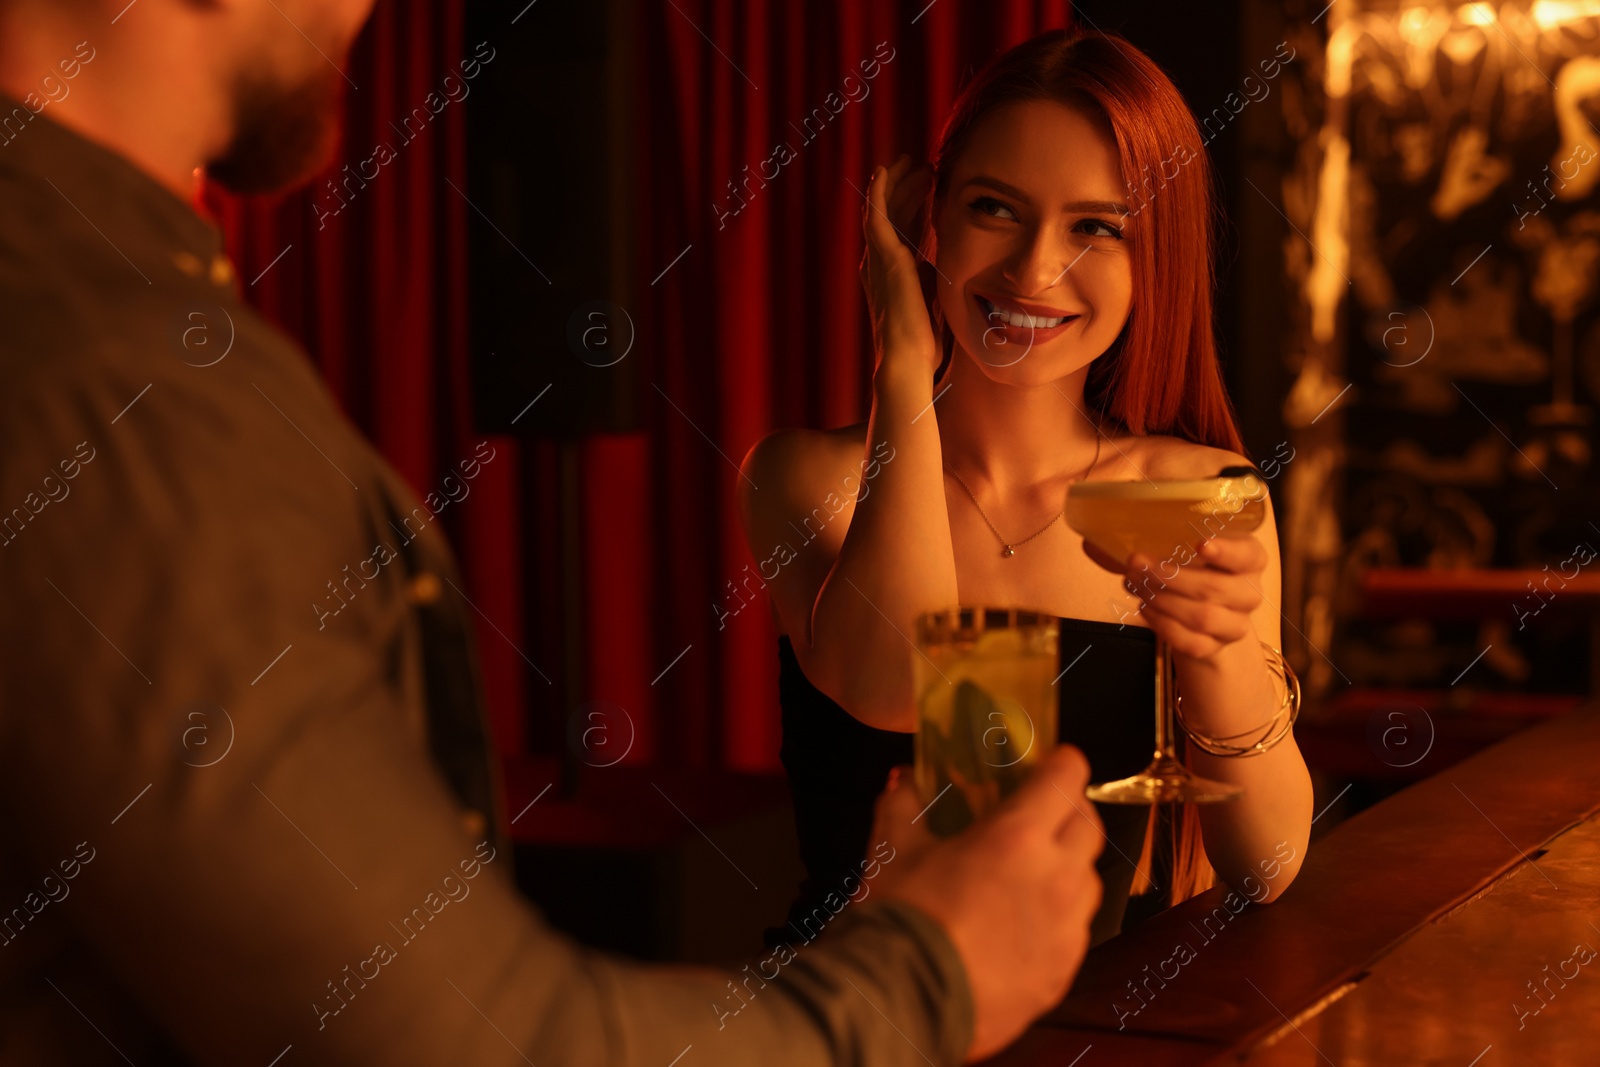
1026,367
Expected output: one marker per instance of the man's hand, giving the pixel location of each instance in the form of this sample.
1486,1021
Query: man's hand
1015,892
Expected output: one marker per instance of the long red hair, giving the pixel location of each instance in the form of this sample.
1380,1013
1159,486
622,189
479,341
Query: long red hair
1161,375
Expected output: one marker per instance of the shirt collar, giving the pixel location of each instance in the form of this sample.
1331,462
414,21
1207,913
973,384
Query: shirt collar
128,206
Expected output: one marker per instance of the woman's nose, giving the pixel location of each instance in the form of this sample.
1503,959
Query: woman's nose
1043,262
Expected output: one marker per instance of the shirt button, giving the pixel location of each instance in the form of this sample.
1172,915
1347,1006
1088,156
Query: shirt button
221,270
474,823
424,588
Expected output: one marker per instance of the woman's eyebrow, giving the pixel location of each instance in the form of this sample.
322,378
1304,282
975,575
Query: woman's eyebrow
1111,207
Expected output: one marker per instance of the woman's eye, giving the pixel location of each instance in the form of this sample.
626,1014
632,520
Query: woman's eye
981,204
1096,228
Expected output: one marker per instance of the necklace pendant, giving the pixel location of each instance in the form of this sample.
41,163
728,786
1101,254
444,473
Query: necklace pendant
1007,553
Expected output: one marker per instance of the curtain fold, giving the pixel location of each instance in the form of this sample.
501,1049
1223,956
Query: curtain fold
370,273
762,322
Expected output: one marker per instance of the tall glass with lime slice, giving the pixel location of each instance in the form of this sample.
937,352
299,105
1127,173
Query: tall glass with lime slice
986,707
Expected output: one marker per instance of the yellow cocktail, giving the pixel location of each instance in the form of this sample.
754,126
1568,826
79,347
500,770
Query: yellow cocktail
986,707
1167,521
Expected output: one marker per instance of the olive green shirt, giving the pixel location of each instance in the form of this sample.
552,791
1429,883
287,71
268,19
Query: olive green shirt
247,810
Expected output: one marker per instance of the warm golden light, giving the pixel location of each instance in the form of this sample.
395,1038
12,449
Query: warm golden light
1415,23
1548,14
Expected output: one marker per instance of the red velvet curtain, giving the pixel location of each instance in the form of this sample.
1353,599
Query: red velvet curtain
746,261
764,314
373,280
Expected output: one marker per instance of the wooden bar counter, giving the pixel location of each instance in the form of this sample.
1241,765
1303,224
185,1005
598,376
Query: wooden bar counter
1455,923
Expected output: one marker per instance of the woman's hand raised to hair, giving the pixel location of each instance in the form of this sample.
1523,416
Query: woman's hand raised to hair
902,330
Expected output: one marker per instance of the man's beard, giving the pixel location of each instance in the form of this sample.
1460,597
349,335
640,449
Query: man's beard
282,135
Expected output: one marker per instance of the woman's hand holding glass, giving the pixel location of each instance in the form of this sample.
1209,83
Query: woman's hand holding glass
1199,602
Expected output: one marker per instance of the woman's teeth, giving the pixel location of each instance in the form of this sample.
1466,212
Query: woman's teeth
1017,318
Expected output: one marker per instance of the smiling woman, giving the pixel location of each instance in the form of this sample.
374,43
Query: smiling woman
1122,116
1049,335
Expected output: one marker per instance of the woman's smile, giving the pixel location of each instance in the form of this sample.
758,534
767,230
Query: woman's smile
1014,323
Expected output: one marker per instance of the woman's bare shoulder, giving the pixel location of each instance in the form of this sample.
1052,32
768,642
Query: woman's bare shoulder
793,468
1159,457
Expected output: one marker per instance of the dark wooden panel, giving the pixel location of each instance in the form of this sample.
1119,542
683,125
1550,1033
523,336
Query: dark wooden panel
1474,593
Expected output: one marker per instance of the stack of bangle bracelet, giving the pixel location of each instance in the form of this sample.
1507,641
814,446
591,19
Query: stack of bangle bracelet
1276,729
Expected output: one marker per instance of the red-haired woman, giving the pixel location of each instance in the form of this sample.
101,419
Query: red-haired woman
1069,229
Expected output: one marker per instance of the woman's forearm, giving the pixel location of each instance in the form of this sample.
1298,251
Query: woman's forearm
1230,694
895,561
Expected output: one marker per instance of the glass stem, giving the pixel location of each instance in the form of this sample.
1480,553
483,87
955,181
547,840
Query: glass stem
1164,739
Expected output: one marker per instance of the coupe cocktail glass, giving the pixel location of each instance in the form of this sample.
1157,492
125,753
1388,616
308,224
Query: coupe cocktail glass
1168,521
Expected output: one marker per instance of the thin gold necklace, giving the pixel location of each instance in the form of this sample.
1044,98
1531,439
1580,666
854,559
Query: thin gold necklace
1009,548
